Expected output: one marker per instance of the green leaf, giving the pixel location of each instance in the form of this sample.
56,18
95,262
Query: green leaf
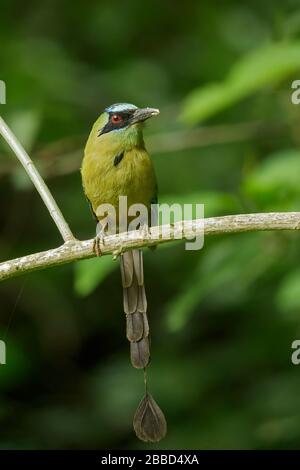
267,65
225,274
90,273
275,181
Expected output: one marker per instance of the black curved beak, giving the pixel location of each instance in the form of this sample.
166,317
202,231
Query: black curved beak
142,114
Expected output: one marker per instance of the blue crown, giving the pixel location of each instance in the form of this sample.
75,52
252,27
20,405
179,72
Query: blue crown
119,107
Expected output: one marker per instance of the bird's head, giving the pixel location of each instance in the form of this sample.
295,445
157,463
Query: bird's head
122,124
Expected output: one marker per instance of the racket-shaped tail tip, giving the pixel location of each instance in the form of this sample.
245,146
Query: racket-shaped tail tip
149,422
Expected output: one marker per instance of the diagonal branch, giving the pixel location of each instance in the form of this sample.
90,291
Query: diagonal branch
37,180
76,250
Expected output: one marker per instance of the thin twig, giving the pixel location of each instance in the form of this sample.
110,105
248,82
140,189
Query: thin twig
37,180
174,141
76,250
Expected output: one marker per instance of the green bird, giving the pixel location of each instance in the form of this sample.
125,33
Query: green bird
116,164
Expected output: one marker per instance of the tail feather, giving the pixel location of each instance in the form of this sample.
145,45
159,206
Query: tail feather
135,307
138,266
126,270
140,353
146,325
131,298
134,327
142,300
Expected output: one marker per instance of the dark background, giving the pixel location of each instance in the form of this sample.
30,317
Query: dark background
222,319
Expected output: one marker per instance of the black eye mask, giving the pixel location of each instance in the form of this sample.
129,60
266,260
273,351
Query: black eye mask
124,122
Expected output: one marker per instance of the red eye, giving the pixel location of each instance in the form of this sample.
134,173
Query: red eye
116,118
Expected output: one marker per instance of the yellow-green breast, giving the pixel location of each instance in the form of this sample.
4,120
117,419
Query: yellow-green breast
104,180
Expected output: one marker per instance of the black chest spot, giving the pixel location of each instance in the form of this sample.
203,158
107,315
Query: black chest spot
118,158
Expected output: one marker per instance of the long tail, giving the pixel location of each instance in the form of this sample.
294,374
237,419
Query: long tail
149,421
135,307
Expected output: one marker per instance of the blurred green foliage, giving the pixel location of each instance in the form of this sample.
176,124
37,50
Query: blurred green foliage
265,66
222,319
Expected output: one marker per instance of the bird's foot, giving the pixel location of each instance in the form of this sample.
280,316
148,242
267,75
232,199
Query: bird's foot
118,252
98,240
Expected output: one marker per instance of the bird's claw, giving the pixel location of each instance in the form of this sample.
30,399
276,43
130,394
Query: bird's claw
98,240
